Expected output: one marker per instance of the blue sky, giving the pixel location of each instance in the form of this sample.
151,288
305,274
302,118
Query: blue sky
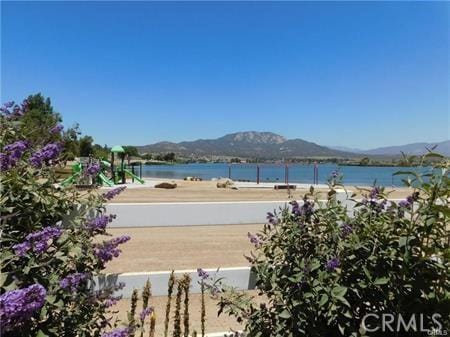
353,74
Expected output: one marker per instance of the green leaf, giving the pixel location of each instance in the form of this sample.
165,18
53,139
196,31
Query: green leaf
343,300
381,280
285,314
41,334
339,291
51,299
323,300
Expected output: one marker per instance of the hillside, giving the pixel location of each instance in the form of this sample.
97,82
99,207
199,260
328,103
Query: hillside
248,144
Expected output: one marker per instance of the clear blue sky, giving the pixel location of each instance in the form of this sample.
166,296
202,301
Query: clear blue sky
337,73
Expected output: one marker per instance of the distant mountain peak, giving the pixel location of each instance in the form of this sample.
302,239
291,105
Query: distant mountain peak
247,144
255,137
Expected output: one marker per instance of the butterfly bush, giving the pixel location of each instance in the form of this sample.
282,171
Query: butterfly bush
72,281
93,169
319,266
18,306
111,194
38,241
50,249
119,332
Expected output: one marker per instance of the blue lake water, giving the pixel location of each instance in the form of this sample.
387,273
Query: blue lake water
298,173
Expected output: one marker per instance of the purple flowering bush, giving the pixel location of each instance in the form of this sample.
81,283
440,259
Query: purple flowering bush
320,267
50,245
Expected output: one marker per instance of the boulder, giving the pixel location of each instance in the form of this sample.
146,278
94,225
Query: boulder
166,185
225,183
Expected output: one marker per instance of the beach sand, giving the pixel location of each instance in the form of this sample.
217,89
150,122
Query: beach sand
191,191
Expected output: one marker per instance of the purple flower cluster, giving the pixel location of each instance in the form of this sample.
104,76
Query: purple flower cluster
92,169
272,218
306,209
112,300
98,224
17,306
346,229
333,263
254,239
11,110
112,193
409,201
13,153
202,274
374,193
144,313
49,152
405,203
72,281
56,129
374,204
37,241
108,250
119,332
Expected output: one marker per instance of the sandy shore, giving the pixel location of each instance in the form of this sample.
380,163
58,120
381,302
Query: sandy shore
190,191
178,248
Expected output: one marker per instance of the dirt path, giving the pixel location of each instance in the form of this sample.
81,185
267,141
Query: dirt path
178,248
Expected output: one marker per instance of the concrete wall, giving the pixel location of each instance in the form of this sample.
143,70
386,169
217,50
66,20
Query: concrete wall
191,213
165,214
239,277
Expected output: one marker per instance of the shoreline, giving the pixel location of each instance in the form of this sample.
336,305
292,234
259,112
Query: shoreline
207,191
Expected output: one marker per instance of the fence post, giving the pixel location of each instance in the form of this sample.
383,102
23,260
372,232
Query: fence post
316,174
257,174
286,174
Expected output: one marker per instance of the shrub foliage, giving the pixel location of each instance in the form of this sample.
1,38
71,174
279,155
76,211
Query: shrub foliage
51,238
320,269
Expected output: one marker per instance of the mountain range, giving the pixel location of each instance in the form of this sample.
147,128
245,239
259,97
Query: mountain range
268,145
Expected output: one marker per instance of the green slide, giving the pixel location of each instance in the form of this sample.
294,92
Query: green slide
134,176
76,171
70,180
105,180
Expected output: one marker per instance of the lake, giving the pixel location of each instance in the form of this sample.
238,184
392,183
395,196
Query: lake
298,173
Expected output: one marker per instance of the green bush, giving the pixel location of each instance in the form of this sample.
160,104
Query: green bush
50,250
320,270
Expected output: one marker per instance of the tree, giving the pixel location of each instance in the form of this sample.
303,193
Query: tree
39,119
101,152
132,151
86,146
71,146
364,162
169,156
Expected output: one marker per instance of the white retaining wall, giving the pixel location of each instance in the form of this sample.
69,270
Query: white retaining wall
239,277
164,214
191,213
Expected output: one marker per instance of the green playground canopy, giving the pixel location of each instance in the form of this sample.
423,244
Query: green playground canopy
117,149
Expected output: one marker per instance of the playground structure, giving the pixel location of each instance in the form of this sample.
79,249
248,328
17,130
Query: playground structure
120,172
89,171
